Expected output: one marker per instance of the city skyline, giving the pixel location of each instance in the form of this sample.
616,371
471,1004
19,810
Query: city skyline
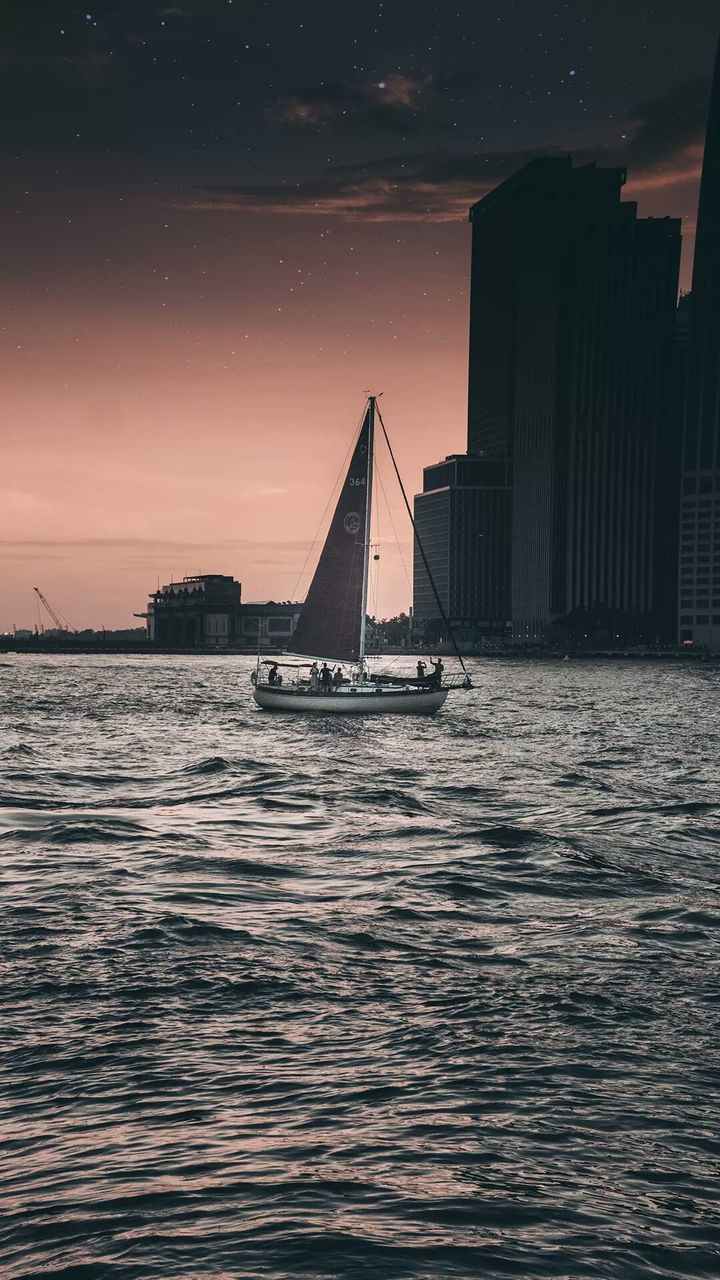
209,255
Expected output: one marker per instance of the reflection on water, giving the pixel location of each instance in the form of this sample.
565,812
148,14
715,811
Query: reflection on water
306,997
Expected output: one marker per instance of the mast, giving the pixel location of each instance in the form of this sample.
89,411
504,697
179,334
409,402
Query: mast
368,505
421,549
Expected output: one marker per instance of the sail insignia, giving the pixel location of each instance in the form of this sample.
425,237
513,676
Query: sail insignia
331,620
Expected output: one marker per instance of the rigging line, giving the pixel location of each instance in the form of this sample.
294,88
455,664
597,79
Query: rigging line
395,533
421,549
350,447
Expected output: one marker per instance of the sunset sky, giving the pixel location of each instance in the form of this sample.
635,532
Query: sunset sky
222,221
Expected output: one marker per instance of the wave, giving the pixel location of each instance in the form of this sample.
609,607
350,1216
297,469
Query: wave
213,764
78,831
434,999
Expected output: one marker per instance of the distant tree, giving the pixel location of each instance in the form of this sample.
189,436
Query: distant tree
394,631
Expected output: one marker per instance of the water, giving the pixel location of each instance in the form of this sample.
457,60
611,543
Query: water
408,998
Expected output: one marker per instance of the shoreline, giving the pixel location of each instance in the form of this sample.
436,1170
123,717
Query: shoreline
44,648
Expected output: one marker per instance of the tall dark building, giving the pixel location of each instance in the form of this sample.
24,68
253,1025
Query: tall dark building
700,506
463,521
667,537
571,332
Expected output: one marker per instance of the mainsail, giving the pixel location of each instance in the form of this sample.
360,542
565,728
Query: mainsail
331,621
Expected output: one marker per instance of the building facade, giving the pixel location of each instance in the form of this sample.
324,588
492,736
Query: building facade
571,339
463,522
199,610
699,602
268,624
206,610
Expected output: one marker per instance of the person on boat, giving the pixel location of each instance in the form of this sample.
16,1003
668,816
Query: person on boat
325,677
337,677
421,669
273,677
438,668
314,678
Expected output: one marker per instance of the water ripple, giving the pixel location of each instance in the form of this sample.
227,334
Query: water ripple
428,999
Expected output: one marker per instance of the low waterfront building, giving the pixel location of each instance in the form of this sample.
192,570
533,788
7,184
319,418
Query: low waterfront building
206,610
269,623
200,610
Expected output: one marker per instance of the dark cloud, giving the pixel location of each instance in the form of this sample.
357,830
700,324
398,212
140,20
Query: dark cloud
426,187
663,148
140,548
391,99
390,103
665,126
666,137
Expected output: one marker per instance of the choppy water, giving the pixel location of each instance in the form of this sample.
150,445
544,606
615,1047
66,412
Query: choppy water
292,997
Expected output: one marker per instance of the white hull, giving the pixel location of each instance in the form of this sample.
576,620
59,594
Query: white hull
355,701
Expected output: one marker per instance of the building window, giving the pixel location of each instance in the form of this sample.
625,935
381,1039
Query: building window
702,620
685,620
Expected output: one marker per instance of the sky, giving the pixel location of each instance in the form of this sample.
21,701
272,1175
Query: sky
222,222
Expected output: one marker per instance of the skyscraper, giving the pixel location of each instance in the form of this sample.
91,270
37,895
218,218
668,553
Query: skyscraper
571,329
463,522
700,505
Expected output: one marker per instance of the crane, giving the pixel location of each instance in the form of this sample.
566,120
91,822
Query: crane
60,623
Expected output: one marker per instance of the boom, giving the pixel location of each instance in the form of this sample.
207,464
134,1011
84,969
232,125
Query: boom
62,625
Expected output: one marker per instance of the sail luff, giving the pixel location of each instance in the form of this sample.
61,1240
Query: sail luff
331,617
368,511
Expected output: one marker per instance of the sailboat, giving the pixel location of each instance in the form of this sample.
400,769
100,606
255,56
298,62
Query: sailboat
332,624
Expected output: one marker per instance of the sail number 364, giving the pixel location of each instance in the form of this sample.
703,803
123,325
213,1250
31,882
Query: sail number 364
353,481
